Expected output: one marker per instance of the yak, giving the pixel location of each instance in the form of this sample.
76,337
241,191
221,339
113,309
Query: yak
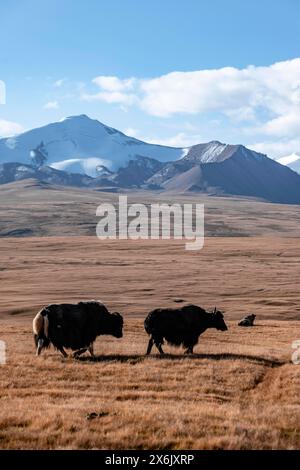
74,326
180,326
247,321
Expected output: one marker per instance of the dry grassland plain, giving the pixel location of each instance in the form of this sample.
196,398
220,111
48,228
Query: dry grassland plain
239,390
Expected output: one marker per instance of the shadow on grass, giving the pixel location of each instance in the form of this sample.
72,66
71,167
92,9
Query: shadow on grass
137,358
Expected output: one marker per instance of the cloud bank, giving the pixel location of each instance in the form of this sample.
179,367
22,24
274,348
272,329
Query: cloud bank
51,105
264,102
9,128
59,83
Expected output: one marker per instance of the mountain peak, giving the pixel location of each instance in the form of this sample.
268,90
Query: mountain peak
78,117
209,152
81,116
79,144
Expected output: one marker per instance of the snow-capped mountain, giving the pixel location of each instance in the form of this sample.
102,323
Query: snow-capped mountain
79,151
216,168
78,144
292,161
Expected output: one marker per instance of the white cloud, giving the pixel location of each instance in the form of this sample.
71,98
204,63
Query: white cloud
194,92
113,90
240,94
114,84
264,100
181,139
51,105
131,132
9,128
111,97
238,115
285,125
59,83
277,148
275,88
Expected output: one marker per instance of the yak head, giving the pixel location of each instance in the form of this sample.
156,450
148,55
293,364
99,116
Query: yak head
116,325
218,320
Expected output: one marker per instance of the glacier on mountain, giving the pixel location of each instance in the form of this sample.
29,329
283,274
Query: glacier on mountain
80,144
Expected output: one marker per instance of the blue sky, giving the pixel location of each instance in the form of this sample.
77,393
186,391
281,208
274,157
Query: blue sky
172,71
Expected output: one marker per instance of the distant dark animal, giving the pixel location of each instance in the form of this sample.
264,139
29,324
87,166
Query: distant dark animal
74,326
247,321
180,326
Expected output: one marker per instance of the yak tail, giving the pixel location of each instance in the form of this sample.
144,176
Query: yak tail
46,326
40,326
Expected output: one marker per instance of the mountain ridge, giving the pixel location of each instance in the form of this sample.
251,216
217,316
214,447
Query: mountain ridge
213,167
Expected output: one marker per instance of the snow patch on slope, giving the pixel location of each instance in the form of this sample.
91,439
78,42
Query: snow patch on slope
185,152
81,165
213,151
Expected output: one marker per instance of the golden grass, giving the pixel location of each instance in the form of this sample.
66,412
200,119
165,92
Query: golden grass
239,391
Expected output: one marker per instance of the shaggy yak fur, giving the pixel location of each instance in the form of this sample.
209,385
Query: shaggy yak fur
74,326
180,326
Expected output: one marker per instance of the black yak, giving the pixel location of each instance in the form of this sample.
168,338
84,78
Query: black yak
74,326
247,321
180,326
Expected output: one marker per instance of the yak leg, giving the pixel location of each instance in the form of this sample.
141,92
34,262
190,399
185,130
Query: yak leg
189,350
158,342
79,352
150,344
39,347
61,349
91,349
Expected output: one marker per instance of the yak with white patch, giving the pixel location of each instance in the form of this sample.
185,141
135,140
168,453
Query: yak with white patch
247,321
180,326
74,326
